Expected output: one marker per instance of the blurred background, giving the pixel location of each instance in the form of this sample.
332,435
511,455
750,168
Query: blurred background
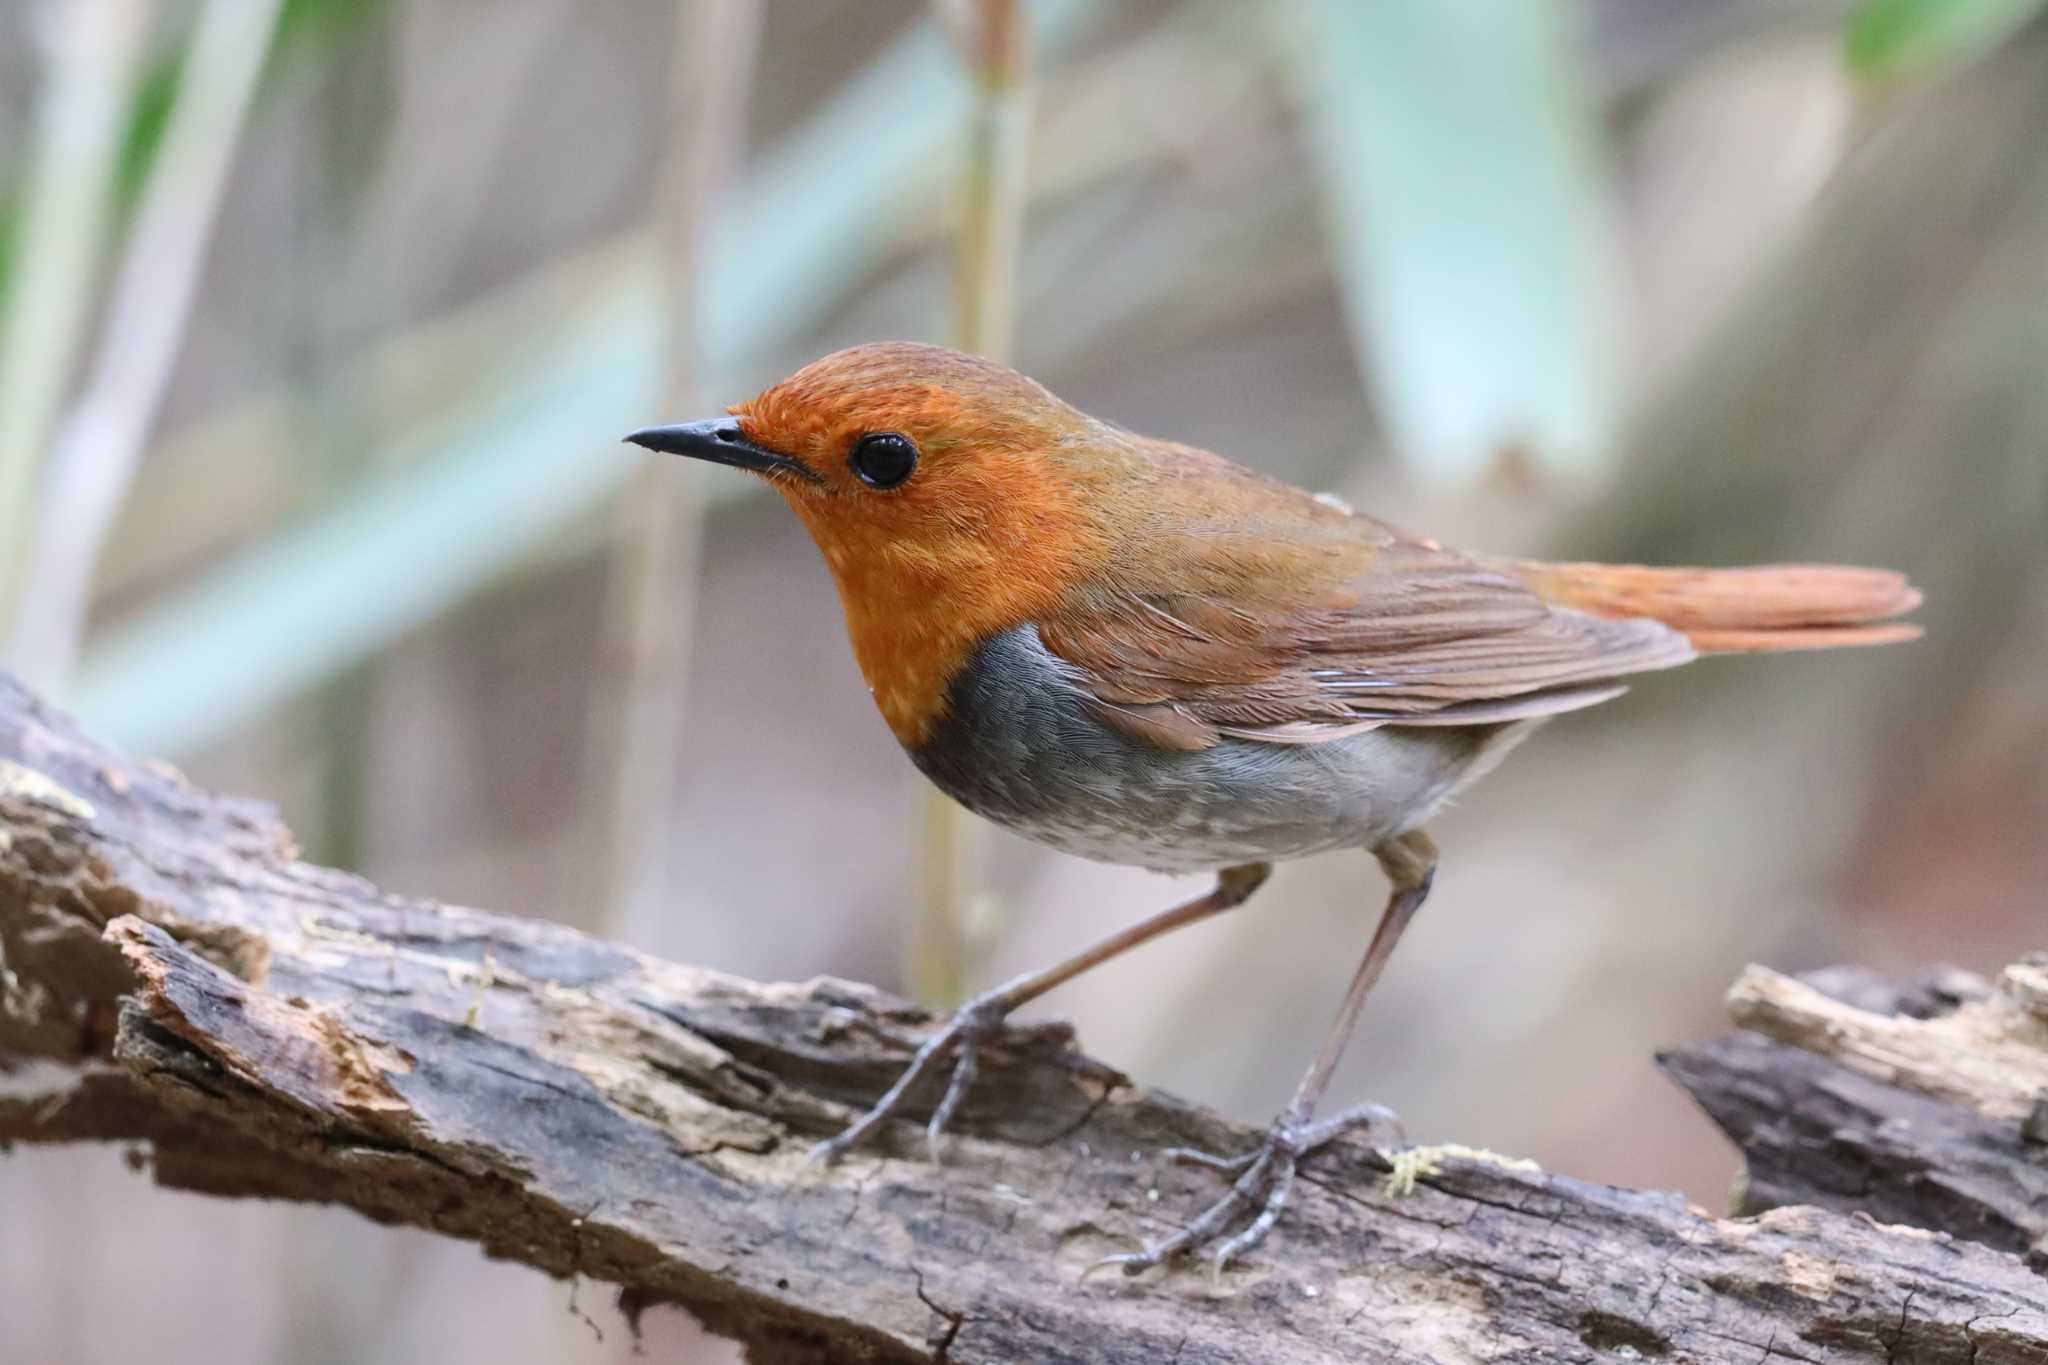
320,321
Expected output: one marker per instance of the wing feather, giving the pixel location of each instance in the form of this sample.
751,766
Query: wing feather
1343,626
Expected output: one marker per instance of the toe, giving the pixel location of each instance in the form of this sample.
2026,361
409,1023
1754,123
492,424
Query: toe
1228,1165
965,1064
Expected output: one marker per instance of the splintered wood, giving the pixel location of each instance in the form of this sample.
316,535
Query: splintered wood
1989,1055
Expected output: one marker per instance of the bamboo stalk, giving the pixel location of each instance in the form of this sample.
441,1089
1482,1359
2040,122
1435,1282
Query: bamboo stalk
431,373
994,38
463,496
661,512
93,458
94,49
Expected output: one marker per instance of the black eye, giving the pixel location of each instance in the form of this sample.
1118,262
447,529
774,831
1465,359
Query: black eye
883,459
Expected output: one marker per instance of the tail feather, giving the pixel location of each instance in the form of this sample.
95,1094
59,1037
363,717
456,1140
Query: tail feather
1770,607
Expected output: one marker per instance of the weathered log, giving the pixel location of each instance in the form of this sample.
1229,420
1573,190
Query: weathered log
272,1028
1926,1104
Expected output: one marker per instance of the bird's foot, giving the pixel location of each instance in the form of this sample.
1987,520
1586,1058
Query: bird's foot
982,1020
1264,1180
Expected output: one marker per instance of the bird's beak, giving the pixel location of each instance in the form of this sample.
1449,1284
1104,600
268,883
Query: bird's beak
719,440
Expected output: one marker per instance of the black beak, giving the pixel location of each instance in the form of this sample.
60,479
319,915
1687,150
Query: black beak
718,440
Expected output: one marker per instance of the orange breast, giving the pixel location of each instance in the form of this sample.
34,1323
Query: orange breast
923,588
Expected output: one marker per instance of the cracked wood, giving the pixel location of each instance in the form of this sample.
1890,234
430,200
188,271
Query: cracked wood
272,1028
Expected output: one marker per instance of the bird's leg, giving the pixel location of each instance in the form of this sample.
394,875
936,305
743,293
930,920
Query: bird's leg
1265,1175
981,1018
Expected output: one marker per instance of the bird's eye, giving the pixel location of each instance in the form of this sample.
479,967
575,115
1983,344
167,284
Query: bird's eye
883,459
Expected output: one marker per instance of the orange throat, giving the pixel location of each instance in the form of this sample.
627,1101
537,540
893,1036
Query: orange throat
917,609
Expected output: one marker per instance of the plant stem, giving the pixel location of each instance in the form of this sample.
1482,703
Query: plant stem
94,49
96,450
662,508
994,37
992,221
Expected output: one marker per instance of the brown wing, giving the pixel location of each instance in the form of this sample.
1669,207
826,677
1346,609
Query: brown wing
1341,625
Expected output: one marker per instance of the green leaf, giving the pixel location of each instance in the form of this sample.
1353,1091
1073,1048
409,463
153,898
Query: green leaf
149,113
1460,167
304,27
308,27
1887,38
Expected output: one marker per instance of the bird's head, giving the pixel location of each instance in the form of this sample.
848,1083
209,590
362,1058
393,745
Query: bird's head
951,497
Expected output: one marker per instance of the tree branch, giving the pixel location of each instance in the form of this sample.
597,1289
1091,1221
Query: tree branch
1891,1102
278,1029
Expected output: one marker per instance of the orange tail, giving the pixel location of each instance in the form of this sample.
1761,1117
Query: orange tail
1771,607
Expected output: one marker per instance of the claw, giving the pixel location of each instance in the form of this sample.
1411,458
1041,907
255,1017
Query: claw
1103,1264
1194,1156
1276,1200
962,1080
978,1019
1264,1178
928,1056
1358,1116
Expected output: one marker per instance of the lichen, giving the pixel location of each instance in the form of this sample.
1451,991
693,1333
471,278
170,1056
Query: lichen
1412,1164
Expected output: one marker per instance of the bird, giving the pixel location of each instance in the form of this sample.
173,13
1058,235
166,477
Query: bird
1140,652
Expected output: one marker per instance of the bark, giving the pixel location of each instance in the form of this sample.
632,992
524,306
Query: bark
1925,1104
271,1028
